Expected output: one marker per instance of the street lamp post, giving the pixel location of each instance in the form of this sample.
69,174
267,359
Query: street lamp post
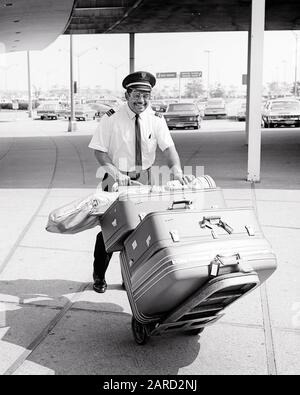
6,68
29,86
116,68
296,64
208,51
78,56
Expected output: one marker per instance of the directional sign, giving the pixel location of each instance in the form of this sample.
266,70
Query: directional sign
191,74
166,75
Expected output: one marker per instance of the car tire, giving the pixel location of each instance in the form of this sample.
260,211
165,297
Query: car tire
42,117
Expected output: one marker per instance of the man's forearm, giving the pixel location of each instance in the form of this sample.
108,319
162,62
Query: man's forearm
106,163
173,160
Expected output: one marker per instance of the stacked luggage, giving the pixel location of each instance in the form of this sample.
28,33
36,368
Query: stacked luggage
184,257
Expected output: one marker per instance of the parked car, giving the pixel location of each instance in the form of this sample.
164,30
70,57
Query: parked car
280,112
82,113
183,116
215,107
241,112
51,111
159,106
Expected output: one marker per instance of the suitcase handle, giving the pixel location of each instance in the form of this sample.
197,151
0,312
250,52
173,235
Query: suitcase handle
230,260
214,220
187,203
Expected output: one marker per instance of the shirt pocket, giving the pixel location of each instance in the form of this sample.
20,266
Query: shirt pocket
150,144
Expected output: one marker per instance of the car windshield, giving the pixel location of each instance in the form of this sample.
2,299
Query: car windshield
181,107
286,105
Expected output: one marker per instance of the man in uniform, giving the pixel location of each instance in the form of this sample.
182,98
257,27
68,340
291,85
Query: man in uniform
125,144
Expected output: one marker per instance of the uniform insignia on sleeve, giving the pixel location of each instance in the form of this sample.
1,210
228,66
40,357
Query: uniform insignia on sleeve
110,112
158,114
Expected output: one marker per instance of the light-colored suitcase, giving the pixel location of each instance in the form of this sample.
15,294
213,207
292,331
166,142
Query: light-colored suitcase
127,212
169,228
159,284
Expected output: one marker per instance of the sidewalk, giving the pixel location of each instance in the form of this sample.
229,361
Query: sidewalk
51,322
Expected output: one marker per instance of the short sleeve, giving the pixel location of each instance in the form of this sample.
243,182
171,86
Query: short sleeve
163,135
101,138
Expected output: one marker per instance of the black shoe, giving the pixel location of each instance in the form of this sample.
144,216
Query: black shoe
100,285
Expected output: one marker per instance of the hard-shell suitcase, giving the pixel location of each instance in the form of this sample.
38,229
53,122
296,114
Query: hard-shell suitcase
172,228
127,212
172,274
202,308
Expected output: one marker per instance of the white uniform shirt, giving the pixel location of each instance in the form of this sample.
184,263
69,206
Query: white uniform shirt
116,136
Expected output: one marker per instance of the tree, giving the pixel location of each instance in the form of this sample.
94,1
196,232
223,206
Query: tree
219,91
194,89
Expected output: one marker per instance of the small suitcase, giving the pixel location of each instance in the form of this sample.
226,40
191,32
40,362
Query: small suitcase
128,211
169,228
172,274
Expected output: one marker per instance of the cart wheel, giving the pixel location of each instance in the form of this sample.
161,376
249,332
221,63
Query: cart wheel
195,332
139,332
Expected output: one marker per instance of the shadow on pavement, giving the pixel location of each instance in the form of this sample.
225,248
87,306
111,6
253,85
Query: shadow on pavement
90,338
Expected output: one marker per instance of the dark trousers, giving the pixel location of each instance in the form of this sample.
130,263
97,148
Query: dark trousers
101,257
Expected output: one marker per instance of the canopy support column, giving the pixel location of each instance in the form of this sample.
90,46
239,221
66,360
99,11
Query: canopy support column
132,52
254,90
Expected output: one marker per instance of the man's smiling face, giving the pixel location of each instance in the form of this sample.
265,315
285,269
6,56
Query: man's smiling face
138,100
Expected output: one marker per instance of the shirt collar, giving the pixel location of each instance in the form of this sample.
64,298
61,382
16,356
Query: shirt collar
132,114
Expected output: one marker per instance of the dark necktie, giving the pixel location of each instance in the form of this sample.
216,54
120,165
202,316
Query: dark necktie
138,144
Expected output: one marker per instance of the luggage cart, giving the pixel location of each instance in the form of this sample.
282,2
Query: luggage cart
203,308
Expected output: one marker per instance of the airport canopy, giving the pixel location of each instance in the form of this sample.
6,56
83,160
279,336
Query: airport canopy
34,24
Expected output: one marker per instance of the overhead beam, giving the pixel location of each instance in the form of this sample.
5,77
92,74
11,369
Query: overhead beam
98,8
136,5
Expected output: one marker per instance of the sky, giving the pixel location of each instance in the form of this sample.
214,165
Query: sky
102,60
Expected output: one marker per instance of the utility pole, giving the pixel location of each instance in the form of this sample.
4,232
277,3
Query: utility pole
208,51
296,65
29,86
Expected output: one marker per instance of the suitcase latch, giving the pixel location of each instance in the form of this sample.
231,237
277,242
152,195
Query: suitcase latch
222,261
175,236
209,222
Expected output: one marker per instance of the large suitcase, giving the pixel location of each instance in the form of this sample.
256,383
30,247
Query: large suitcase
169,228
128,211
171,275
